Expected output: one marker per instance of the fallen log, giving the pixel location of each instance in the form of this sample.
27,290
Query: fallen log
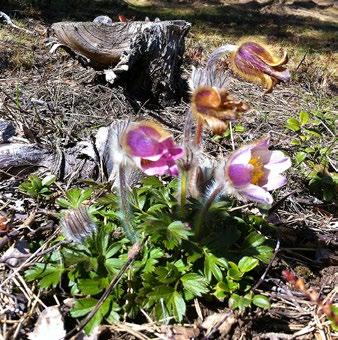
145,56
91,159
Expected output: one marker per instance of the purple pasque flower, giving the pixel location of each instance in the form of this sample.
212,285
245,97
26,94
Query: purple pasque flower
253,170
151,148
255,63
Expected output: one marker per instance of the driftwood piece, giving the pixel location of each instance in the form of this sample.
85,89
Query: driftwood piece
145,56
18,154
83,160
7,130
102,44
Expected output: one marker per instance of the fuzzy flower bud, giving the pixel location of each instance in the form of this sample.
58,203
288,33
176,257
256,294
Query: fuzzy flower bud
216,107
255,63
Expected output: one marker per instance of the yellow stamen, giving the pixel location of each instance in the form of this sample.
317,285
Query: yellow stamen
258,171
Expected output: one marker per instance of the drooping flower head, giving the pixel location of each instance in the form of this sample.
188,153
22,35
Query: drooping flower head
151,148
216,107
255,63
253,170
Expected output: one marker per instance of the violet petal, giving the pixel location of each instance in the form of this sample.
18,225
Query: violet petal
257,194
240,174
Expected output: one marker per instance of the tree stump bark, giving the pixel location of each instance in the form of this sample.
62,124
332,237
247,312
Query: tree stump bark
145,56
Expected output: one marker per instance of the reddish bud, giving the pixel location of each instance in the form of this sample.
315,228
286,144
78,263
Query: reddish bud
289,276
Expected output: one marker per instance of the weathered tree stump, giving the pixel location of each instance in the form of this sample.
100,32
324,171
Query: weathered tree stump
145,56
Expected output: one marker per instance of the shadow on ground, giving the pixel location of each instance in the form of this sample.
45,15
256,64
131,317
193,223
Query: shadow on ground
234,19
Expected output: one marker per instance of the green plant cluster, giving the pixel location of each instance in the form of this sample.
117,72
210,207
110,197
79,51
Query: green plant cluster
37,187
173,268
314,154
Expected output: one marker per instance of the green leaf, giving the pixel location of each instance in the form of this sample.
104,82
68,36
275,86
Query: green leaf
167,274
310,150
48,180
261,301
152,260
313,133
92,286
176,232
295,142
176,305
114,316
300,157
239,128
82,307
98,317
49,275
113,249
156,208
253,240
247,263
239,302
223,288
113,265
152,181
265,253
194,284
303,117
75,197
234,272
293,124
213,266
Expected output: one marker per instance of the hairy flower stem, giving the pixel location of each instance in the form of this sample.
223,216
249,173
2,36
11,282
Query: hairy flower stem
125,207
198,133
201,216
183,191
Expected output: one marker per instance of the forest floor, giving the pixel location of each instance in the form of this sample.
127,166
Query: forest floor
56,102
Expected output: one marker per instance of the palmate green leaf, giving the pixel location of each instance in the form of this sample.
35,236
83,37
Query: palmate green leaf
74,198
113,249
313,132
113,265
149,260
247,263
265,253
156,208
167,274
194,285
98,317
176,305
176,232
53,278
49,275
253,246
152,182
261,301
